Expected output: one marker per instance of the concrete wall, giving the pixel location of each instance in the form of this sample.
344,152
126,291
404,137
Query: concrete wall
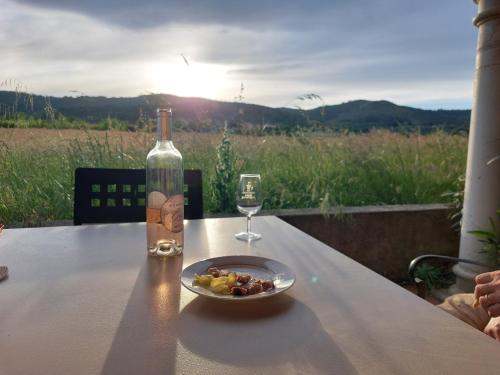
383,238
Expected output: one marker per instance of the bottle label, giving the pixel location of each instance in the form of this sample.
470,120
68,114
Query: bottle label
170,214
153,215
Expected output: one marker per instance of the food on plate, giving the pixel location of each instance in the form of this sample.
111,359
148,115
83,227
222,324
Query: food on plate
204,280
215,272
222,281
243,278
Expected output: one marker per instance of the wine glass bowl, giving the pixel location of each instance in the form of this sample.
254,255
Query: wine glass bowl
249,202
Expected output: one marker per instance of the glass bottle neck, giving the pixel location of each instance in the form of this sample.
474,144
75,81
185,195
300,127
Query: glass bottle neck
163,125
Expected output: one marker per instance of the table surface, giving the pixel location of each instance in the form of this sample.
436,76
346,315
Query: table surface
87,300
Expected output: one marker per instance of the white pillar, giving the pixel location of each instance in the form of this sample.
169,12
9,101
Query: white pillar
482,183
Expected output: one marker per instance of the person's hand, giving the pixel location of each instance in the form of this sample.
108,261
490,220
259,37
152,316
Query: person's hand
493,328
487,292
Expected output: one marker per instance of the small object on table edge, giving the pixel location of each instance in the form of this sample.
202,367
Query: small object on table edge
4,272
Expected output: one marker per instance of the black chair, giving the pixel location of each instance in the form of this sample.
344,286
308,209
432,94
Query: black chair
420,284
119,195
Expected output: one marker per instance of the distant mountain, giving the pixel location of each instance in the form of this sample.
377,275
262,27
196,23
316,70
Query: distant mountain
205,114
364,114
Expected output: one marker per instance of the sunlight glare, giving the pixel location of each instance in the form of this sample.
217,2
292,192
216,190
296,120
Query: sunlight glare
194,80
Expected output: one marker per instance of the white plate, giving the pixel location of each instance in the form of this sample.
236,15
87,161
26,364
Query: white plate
257,267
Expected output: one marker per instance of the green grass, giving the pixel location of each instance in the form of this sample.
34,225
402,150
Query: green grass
22,121
37,166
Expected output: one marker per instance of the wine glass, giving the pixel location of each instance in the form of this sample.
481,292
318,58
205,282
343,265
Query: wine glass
249,202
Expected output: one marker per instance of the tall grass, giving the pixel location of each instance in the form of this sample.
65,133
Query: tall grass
37,167
60,122
376,168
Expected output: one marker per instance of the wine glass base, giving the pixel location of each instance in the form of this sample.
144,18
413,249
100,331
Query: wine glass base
248,236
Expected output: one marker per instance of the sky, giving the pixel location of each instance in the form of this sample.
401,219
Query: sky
416,53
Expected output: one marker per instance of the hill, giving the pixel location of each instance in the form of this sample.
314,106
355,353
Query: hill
206,115
363,115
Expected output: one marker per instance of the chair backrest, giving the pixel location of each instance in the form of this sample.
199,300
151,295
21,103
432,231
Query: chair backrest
119,195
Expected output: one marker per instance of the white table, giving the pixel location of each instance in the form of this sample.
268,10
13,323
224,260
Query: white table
87,300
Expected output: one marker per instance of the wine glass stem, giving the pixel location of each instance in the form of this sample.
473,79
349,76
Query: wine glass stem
249,227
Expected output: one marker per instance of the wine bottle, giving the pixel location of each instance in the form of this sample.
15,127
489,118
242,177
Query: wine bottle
165,192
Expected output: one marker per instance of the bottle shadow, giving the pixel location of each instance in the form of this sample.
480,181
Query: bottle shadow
266,332
146,339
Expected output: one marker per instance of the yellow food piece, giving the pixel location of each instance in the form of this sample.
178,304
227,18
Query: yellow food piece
203,280
231,279
221,289
220,285
217,281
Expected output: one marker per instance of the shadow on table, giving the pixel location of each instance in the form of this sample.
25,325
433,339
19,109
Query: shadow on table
278,330
146,339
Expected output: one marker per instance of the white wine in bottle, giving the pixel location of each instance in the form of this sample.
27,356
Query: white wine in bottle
165,192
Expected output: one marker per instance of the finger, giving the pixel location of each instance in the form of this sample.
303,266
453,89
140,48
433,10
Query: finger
484,278
494,310
482,289
476,303
494,297
483,301
496,333
488,300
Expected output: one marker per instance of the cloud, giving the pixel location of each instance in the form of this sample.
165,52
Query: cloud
398,50
157,13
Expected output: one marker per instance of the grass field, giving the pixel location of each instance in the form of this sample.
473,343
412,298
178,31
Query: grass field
37,166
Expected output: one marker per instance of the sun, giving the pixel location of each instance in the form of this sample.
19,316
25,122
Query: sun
195,80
